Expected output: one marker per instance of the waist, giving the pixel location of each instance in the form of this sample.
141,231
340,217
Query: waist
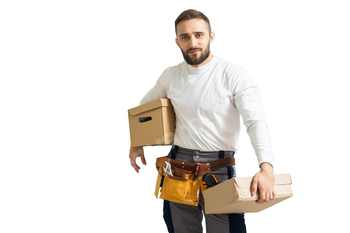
197,156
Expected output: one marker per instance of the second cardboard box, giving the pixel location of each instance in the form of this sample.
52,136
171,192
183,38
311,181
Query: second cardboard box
234,196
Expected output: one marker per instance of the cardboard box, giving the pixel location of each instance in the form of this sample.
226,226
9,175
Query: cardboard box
234,196
152,123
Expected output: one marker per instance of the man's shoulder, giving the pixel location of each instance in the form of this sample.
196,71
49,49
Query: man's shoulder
231,68
228,64
175,68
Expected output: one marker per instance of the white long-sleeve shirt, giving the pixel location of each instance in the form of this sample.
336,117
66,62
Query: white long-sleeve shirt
208,102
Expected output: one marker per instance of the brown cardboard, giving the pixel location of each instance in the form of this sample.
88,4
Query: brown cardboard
158,131
234,196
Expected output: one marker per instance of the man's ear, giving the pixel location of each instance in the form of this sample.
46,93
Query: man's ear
212,37
177,42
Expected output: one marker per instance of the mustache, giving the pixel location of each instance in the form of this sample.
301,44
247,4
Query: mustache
193,49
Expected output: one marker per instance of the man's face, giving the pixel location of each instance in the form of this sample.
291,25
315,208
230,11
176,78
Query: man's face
194,38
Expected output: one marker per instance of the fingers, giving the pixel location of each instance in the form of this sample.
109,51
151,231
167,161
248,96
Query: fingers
143,159
254,187
134,165
262,198
265,187
133,154
266,196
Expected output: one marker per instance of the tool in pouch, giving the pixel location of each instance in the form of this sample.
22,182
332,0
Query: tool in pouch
181,181
197,168
209,180
167,169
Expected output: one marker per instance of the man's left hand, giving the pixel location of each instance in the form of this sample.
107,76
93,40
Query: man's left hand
264,182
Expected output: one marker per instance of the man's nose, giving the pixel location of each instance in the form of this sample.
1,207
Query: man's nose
193,42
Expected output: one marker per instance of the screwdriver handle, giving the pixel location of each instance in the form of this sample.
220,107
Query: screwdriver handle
197,168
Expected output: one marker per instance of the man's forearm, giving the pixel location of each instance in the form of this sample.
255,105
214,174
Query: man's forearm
250,107
260,140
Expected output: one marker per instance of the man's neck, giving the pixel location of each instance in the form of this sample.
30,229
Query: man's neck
206,61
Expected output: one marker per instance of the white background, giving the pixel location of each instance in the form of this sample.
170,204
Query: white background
70,70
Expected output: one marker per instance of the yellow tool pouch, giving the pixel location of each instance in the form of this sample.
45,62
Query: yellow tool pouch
179,188
177,182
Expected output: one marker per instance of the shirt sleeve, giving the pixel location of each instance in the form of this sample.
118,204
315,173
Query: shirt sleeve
248,103
158,91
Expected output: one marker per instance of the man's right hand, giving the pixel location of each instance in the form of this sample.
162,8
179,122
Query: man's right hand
133,154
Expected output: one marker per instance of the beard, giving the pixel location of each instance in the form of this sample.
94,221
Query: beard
195,59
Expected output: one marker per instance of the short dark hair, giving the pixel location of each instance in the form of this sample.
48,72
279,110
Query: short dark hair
191,14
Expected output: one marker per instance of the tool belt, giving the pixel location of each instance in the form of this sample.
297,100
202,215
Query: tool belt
179,181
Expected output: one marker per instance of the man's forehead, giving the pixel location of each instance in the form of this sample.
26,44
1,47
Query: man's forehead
192,26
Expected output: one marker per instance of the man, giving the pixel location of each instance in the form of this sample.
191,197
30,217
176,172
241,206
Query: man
209,95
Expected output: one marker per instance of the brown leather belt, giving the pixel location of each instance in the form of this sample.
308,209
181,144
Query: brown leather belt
189,166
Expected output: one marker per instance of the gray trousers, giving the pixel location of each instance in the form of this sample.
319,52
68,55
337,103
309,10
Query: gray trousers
181,218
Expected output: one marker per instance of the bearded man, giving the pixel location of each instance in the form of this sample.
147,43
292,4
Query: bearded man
209,95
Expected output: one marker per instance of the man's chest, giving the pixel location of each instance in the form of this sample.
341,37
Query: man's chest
203,95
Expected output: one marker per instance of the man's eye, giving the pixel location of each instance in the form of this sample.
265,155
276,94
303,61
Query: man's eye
184,37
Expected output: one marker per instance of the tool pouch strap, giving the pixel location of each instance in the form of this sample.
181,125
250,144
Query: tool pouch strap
205,167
